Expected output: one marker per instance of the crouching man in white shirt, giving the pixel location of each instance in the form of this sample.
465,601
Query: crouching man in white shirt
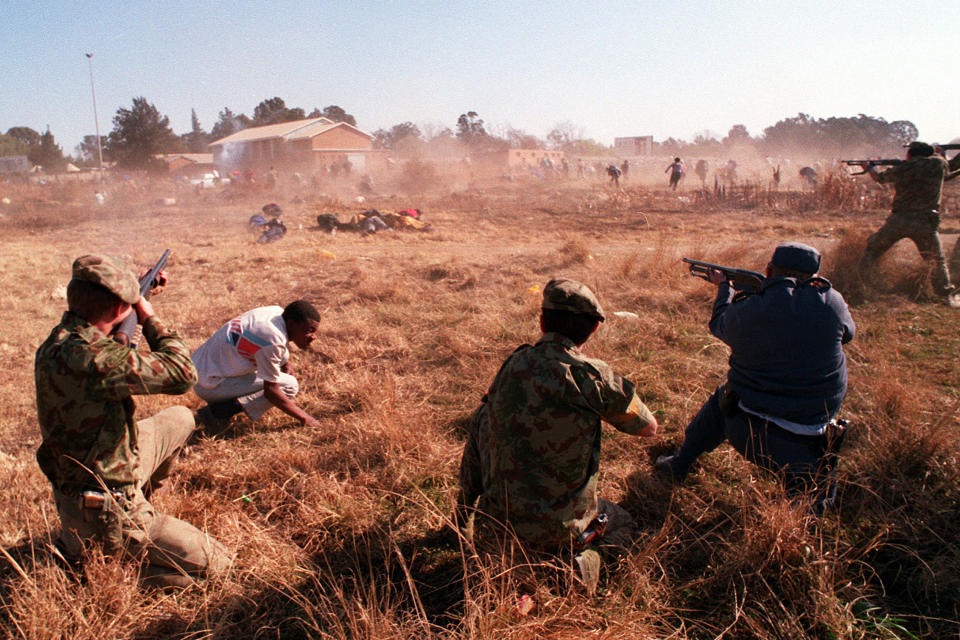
245,365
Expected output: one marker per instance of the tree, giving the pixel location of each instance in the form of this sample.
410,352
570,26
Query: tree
274,111
86,151
25,135
10,146
520,139
738,135
862,135
197,140
47,153
403,134
140,133
228,123
903,131
335,113
470,129
564,134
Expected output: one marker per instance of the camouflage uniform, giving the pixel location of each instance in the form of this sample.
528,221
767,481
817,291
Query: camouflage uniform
532,455
915,214
85,383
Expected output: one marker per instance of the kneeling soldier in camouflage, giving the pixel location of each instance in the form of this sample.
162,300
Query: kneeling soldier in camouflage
101,462
532,456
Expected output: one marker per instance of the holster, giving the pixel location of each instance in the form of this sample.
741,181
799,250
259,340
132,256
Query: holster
729,401
832,439
593,532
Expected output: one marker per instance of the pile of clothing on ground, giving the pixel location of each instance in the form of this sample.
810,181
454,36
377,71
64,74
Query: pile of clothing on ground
372,221
268,224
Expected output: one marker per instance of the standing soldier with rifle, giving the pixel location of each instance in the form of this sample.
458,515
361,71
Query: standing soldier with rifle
102,462
915,212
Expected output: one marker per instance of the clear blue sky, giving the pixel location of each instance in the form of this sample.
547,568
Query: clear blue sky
613,68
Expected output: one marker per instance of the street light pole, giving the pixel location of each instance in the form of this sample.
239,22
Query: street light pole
96,121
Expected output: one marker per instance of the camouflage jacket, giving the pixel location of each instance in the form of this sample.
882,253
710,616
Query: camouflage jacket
85,386
545,407
917,184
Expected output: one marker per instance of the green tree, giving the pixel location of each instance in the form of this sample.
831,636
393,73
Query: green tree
403,134
335,113
47,154
10,146
470,130
229,123
273,111
197,139
140,133
25,135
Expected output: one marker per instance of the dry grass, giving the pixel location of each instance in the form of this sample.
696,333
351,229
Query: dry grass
343,531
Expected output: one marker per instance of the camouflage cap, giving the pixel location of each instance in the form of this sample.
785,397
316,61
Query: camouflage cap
110,273
562,294
796,256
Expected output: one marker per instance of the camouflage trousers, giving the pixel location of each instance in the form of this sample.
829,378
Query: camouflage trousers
487,534
919,226
173,552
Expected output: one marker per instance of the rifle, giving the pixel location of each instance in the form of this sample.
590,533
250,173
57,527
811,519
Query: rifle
742,279
946,147
882,162
124,333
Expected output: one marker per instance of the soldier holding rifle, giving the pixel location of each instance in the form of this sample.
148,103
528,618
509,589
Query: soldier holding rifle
102,462
915,212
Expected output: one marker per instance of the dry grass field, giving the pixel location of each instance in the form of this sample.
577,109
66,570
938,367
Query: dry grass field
343,531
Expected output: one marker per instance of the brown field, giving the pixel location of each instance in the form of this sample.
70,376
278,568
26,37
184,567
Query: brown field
343,531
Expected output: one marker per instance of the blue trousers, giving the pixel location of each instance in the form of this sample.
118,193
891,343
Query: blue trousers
801,461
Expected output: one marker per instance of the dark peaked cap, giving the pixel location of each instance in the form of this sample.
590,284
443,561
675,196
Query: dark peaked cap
796,256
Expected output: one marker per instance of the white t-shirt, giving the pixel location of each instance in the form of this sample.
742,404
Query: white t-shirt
255,341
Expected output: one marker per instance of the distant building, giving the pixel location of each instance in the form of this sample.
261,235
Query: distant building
302,144
187,164
14,164
635,146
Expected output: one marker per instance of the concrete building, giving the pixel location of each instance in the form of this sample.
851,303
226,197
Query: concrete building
633,146
302,145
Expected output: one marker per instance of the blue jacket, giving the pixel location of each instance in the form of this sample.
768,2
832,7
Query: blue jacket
786,356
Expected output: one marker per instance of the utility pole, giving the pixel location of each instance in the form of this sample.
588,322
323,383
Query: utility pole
96,121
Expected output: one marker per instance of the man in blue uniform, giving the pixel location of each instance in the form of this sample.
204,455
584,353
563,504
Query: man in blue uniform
787,377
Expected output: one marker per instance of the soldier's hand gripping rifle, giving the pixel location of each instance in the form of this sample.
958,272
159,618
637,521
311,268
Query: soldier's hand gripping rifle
868,164
124,333
742,279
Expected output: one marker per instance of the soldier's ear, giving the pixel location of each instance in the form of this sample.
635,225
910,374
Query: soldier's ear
542,330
